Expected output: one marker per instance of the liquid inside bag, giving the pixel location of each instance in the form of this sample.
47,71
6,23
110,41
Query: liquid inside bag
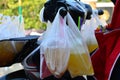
56,60
79,63
56,53
92,47
78,66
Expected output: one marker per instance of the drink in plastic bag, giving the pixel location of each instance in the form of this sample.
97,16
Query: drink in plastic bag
79,64
55,46
92,47
56,60
79,61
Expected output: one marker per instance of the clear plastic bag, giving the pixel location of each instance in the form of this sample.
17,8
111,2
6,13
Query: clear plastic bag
10,27
88,31
79,62
55,47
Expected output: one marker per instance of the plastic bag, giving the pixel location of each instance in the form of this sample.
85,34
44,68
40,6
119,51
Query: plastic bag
79,62
44,71
88,31
55,47
10,27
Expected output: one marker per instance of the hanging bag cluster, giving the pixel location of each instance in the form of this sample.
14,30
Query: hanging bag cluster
63,49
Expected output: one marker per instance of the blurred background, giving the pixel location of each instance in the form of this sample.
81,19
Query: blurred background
106,5
31,10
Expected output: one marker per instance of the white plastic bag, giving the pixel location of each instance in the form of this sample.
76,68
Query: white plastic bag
44,71
79,62
55,47
88,31
10,27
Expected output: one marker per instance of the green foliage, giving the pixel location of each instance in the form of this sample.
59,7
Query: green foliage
30,11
